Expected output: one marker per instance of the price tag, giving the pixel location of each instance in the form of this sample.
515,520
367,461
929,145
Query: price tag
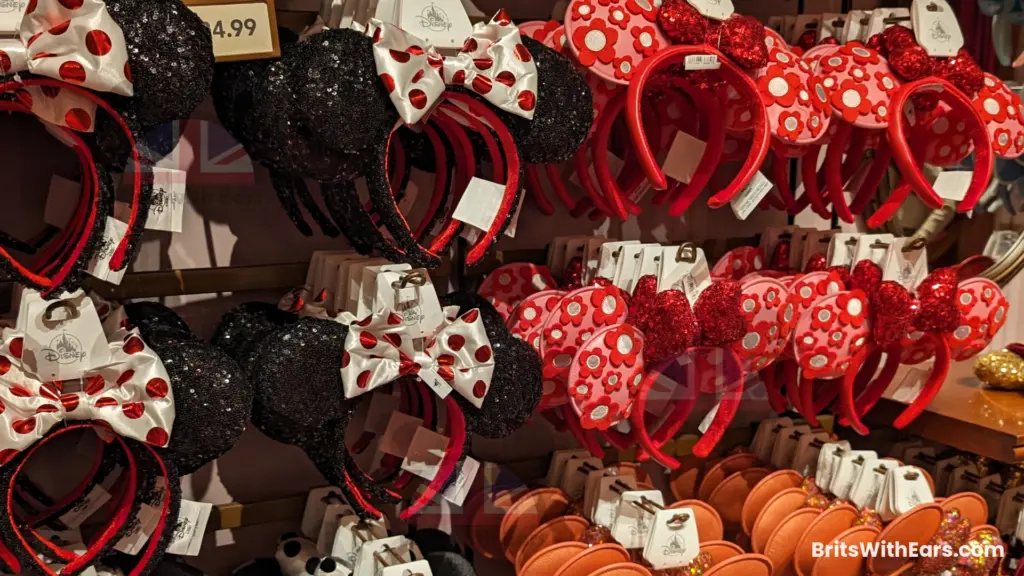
480,203
683,157
85,507
744,203
907,262
190,528
240,30
702,62
910,488
11,12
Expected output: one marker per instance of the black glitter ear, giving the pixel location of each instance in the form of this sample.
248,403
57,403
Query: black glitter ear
564,110
153,317
449,564
243,329
516,386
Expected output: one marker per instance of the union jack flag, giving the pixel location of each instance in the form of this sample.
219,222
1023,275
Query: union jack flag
203,152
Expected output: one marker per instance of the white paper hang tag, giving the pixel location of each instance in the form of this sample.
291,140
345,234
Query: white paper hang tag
674,540
556,253
717,9
61,201
953,184
574,248
480,202
848,471
764,446
869,482
873,247
443,24
415,568
683,157
648,263
828,461
635,517
371,298
574,478
376,555
591,253
351,533
399,434
412,295
99,266
628,262
692,277
610,494
936,27
317,501
608,258
510,230
333,267
85,507
911,489
559,459
855,25
64,338
907,262
329,525
808,448
355,283
465,474
816,242
842,249
190,528
701,62
750,197
882,18
140,531
990,486
168,201
785,445
831,26
425,453
593,486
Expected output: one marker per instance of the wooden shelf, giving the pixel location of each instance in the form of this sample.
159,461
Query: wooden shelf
965,415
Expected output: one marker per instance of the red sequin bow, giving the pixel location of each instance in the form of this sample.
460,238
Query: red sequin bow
493,63
955,533
670,325
381,348
74,42
909,61
898,312
739,37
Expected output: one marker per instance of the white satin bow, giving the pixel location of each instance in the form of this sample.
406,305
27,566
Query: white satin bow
132,394
380,348
494,63
74,41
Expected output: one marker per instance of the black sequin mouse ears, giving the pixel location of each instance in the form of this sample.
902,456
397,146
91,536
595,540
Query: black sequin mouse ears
326,108
165,405
496,385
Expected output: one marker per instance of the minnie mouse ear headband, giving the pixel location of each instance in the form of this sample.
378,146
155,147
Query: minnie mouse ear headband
494,384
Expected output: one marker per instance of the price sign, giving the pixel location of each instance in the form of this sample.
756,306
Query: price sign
240,30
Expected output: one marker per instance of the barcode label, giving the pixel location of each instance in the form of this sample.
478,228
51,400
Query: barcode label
702,62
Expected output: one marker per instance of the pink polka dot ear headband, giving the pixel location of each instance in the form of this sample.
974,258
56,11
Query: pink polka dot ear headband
947,318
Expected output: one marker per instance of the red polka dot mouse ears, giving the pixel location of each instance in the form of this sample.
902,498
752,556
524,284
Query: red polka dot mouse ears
507,286
946,318
1003,114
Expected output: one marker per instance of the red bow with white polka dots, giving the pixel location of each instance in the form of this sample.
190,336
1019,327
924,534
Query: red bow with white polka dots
493,63
381,348
131,395
75,41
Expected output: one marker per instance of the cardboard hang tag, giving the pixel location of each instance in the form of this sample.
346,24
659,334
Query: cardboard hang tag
764,439
832,24
559,459
649,263
685,268
808,448
351,534
869,482
907,262
99,266
910,488
329,525
750,197
168,201
628,261
936,27
683,157
608,256
848,471
882,18
855,26
376,555
634,517
317,501
375,293
354,273
190,528
842,249
1000,242
574,478
411,294
591,257
717,9
816,242
953,184
86,507
593,486
828,461
674,541
64,338
873,247
443,24
610,492
785,445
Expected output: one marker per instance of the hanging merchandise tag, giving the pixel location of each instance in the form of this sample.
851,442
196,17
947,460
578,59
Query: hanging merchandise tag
412,295
828,461
936,27
786,443
62,199
574,479
85,507
674,540
912,384
873,247
241,30
591,255
64,338
399,434
687,270
592,488
635,516
11,12
869,482
842,249
609,494
140,531
953,184
465,474
1010,505
816,242
608,256
910,488
556,254
1000,242
312,273
168,204
776,23
709,418
717,9
943,472
805,461
831,26
376,292
882,18
329,525
796,247
99,266
510,230
317,501
854,27
556,469
443,24
907,262
332,267
415,568
683,157
355,283
743,204
480,202
848,471
766,442
648,263
425,453
574,249
701,62
376,555
628,261
190,528
352,532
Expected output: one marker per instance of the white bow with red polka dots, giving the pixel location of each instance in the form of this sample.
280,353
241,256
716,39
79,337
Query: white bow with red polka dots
131,395
494,63
381,348
74,41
